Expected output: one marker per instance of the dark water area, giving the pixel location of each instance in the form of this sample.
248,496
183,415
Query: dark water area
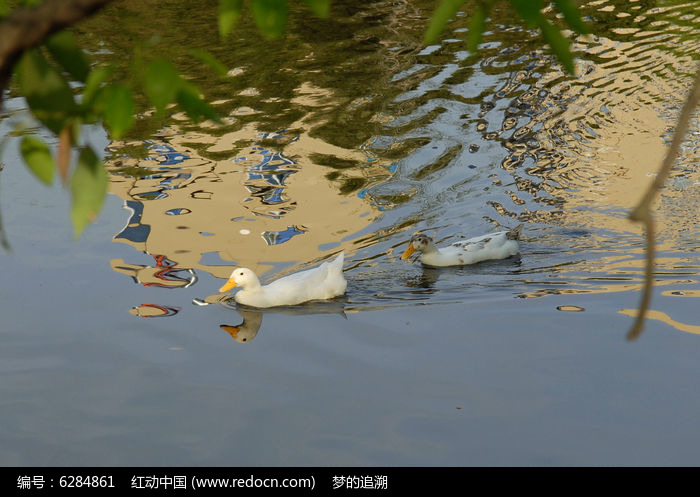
349,134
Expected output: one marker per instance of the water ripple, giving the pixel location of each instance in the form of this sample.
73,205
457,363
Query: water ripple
401,138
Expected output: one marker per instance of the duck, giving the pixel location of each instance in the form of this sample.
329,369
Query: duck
320,283
492,246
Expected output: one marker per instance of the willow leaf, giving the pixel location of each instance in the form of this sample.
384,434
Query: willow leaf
37,156
88,189
442,14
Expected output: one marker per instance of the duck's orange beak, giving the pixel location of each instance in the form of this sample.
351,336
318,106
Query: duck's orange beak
409,250
231,330
229,284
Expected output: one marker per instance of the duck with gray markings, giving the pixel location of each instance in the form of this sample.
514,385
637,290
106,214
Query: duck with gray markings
493,246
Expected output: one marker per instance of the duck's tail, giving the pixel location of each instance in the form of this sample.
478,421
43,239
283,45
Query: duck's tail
337,263
515,233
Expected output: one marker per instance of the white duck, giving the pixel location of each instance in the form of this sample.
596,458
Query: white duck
323,282
492,246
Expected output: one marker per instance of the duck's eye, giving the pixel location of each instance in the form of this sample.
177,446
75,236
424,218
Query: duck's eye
240,274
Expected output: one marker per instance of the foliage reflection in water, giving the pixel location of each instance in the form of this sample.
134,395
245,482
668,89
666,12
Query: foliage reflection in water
397,138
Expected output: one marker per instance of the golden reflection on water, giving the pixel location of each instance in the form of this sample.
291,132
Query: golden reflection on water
261,205
590,146
665,318
153,310
397,138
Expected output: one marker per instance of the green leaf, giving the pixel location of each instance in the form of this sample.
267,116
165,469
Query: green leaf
319,7
196,108
270,16
94,84
161,83
38,157
76,126
571,15
64,50
119,109
88,188
229,13
4,8
477,24
214,63
529,10
46,90
559,45
443,13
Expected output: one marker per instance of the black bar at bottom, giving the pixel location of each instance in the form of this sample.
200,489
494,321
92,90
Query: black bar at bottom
248,481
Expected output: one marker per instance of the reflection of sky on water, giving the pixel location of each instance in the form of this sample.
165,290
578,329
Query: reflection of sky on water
266,181
277,237
167,155
134,230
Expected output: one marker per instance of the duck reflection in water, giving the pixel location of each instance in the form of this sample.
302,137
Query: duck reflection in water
253,317
246,330
424,281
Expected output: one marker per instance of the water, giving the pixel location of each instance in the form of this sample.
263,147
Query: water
110,357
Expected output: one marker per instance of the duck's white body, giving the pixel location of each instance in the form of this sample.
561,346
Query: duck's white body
493,246
320,283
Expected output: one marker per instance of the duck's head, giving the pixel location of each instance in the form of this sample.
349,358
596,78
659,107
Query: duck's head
242,277
418,243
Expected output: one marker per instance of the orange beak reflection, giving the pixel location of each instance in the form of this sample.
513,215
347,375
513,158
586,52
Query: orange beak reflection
229,284
231,330
409,250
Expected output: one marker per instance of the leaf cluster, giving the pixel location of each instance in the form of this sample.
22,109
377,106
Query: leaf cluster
270,15
64,92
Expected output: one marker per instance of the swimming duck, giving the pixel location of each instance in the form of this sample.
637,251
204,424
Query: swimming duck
492,246
323,282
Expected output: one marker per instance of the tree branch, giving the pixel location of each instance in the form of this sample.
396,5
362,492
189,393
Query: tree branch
642,212
28,28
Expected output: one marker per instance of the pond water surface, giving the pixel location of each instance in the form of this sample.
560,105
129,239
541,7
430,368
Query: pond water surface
349,134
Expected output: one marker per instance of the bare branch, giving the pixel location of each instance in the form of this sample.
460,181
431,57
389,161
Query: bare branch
638,325
642,212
